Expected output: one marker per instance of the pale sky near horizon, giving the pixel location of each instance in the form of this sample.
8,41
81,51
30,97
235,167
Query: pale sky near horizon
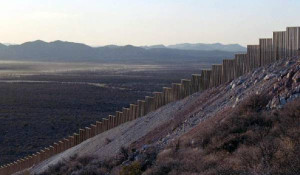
145,22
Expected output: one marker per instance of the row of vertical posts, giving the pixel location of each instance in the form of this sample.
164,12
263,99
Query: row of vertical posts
292,41
142,107
284,44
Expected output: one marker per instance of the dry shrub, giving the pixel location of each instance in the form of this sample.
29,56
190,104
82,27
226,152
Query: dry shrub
88,165
25,172
123,155
132,169
77,166
107,141
246,140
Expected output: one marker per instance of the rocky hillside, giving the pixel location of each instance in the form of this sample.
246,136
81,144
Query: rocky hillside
247,126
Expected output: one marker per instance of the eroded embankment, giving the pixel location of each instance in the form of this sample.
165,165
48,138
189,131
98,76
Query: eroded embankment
280,81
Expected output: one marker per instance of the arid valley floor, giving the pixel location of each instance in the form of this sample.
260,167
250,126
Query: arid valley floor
41,103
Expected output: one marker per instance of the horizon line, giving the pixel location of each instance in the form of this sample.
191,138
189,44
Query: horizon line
31,41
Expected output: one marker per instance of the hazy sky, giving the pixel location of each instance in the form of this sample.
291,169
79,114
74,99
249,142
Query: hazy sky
145,22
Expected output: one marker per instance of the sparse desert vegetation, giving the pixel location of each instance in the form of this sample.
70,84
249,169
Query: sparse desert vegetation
246,140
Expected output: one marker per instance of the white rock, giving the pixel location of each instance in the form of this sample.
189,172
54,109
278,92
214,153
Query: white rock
269,76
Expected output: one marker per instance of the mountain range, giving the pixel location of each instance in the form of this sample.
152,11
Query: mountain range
202,46
77,52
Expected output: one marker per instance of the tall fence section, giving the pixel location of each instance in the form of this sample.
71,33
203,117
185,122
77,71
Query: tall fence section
283,44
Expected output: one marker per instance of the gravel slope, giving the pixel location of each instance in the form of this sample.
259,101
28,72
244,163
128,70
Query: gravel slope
122,135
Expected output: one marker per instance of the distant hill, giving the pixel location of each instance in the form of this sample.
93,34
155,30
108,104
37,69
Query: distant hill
2,45
160,46
77,52
8,44
202,47
215,46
